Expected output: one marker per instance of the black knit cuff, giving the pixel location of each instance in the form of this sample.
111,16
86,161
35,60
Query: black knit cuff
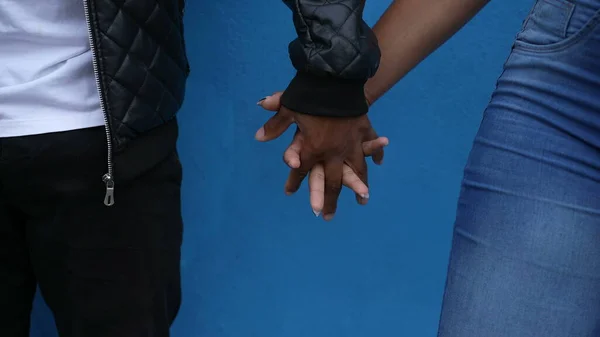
325,96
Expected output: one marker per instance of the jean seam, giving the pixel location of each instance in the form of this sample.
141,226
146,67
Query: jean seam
568,21
564,44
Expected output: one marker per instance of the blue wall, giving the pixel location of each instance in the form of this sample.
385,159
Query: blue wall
257,263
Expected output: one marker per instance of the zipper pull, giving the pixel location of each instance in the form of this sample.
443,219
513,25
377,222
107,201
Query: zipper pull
109,198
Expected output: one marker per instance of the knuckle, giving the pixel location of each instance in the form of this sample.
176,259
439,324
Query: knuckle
333,188
316,190
318,174
354,181
322,145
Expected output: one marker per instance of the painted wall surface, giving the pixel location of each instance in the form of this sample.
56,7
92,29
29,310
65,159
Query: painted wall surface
259,264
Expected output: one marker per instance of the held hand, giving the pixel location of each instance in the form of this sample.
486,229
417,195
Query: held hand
316,176
312,156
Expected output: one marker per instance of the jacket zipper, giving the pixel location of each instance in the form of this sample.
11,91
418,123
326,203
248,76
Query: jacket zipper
108,178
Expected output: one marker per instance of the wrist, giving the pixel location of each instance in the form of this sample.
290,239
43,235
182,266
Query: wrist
368,97
324,95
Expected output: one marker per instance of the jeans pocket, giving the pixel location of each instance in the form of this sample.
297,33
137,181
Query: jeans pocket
546,29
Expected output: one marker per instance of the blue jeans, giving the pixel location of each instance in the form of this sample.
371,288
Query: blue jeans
525,258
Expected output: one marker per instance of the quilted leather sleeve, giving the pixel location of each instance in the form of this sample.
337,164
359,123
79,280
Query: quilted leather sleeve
334,55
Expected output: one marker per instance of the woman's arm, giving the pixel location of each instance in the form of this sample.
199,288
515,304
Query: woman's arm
409,31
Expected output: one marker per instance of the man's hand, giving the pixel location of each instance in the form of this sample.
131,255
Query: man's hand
331,150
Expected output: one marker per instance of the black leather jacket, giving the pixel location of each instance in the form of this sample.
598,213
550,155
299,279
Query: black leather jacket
141,65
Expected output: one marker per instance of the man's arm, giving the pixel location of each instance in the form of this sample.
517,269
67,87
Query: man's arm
334,55
410,30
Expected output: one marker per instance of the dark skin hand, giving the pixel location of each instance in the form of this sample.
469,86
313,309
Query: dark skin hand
331,141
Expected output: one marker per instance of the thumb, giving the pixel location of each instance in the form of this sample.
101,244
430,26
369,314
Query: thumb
271,103
274,127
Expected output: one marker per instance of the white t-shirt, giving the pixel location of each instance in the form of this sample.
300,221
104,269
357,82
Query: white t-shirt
47,81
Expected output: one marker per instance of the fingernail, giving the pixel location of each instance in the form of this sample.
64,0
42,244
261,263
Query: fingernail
260,134
261,100
316,213
364,196
328,217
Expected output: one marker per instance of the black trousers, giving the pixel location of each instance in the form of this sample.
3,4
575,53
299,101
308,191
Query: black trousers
103,271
